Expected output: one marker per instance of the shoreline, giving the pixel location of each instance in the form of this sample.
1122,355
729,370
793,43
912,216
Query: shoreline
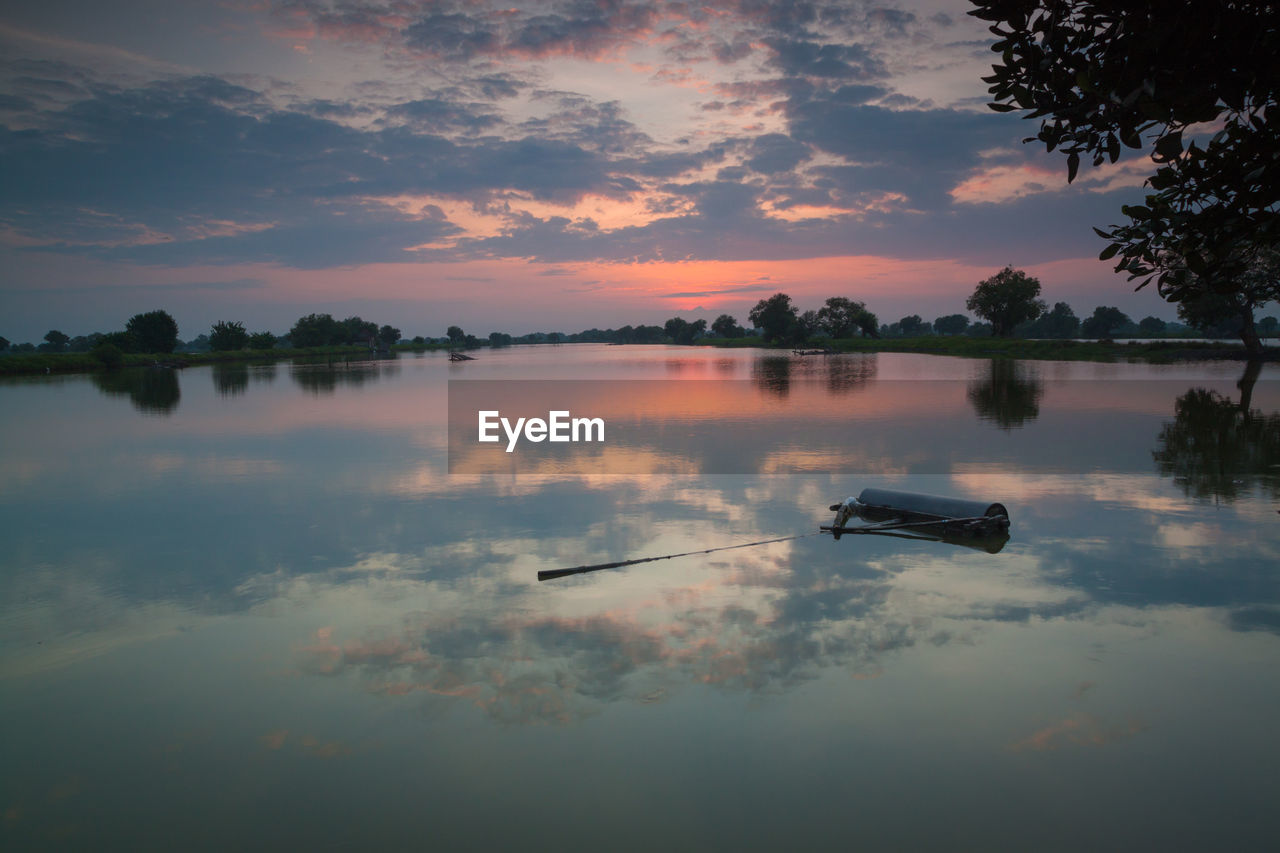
1153,351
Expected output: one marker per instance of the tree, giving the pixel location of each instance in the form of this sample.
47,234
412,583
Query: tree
358,331
683,332
912,324
804,327
499,339
55,341
952,324
774,316
1101,75
154,331
727,327
456,336
262,340
316,330
4,343
1267,328
840,318
388,336
1006,299
1151,326
1104,322
1222,312
1060,322
224,336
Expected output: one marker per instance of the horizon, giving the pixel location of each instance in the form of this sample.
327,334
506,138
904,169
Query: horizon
559,166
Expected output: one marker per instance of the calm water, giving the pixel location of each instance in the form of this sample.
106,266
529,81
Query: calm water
248,607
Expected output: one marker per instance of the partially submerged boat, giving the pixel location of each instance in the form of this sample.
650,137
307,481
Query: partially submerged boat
976,524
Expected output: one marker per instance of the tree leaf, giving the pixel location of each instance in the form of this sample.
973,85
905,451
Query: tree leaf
1073,165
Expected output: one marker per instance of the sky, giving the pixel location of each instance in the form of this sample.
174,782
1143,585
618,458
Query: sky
536,166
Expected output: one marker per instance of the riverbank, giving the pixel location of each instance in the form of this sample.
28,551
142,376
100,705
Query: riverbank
87,362
1155,351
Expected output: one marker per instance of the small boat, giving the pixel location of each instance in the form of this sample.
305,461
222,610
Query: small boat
983,525
458,356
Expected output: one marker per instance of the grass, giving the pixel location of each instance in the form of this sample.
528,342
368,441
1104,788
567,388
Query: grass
84,362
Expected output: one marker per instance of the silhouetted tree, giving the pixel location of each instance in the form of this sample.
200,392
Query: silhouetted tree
841,318
727,327
1152,326
952,324
225,336
456,336
913,324
1218,310
4,343
773,316
499,339
1104,322
1059,322
154,331
1100,75
1006,299
54,341
316,330
683,332
262,340
388,336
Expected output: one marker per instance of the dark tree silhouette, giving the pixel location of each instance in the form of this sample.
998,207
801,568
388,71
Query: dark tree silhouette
224,336
154,331
952,324
727,327
842,318
1102,75
1006,299
1104,322
774,316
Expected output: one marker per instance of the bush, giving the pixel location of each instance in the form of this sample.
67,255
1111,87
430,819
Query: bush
108,355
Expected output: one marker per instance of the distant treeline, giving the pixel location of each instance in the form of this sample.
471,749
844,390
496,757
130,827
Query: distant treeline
1007,305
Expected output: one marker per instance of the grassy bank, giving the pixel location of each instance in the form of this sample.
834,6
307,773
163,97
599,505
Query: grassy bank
85,362
1152,351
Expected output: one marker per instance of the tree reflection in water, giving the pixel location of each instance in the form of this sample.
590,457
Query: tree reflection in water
773,375
1008,396
231,380
152,390
1218,449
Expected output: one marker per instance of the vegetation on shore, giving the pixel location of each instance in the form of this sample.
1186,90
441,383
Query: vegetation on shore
1155,351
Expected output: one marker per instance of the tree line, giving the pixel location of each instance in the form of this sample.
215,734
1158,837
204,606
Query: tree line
1007,305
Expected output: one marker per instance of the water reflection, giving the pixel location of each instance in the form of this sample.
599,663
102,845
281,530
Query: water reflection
327,378
1217,448
353,602
772,374
152,390
231,379
1009,394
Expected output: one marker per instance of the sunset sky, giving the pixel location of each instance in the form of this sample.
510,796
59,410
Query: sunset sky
520,167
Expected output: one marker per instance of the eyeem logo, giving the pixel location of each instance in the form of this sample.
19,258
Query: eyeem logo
558,427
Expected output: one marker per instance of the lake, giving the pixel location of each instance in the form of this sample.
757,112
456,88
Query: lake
250,607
